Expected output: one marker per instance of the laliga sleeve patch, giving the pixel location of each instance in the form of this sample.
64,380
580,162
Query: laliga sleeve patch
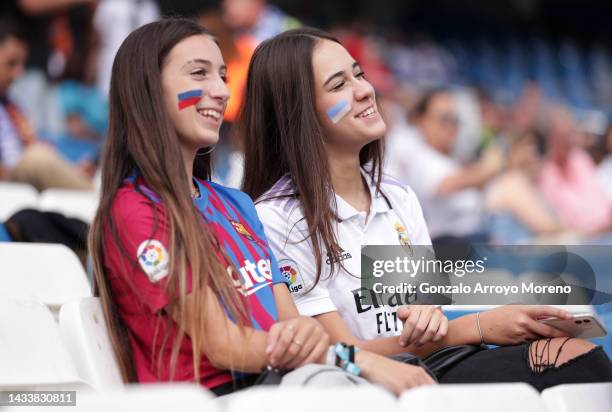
289,269
153,259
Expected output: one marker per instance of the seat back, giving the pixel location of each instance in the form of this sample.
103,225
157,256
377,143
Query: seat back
14,197
49,272
80,204
32,354
592,397
86,336
500,397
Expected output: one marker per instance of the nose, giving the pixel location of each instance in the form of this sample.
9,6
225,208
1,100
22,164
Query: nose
363,90
219,91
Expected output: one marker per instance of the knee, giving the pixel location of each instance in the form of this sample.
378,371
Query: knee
551,353
572,349
37,155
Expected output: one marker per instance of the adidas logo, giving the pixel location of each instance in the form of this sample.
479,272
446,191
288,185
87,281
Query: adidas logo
338,258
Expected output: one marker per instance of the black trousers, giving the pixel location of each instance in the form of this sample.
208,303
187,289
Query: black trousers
511,364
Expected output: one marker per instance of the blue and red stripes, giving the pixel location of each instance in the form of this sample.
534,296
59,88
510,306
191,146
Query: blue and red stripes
189,98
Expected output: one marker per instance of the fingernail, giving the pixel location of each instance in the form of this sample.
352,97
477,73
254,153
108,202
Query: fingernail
269,349
402,342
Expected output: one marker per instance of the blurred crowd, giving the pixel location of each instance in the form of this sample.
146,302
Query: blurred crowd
501,142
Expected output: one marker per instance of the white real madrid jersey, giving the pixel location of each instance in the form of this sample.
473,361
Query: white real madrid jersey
395,218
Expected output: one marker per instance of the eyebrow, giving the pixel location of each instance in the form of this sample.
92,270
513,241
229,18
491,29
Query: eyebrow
204,62
338,74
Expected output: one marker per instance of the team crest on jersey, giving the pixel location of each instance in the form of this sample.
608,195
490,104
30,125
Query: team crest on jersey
289,269
153,259
242,230
402,236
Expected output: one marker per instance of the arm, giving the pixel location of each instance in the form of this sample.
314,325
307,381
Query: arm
475,175
228,346
460,331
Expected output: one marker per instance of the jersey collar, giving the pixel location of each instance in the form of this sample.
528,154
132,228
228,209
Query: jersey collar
378,205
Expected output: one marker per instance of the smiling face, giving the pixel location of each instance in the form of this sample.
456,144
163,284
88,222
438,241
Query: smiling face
344,99
195,91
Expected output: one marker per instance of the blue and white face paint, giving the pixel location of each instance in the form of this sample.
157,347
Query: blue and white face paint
339,110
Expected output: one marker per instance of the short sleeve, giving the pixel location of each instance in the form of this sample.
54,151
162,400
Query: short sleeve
141,257
296,261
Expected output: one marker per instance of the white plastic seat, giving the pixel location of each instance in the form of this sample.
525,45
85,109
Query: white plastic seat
86,336
80,204
51,273
365,398
16,196
139,398
592,397
508,397
32,354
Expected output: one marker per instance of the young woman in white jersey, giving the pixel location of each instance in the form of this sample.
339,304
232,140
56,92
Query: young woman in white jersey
314,136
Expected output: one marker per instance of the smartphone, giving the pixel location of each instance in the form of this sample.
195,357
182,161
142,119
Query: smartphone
581,325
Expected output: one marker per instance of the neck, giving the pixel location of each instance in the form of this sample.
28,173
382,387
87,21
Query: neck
347,181
188,159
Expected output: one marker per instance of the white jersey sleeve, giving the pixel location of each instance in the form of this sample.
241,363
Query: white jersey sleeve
286,233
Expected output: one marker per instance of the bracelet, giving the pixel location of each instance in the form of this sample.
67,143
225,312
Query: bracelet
482,341
345,358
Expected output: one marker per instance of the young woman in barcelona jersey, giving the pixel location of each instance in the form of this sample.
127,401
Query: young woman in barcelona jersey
311,123
190,288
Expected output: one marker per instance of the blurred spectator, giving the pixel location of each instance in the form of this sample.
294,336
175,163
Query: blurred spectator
604,169
257,19
517,208
569,178
449,192
114,20
491,118
237,51
21,157
84,110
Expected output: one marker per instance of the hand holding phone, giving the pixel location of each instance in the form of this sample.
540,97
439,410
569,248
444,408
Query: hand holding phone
581,325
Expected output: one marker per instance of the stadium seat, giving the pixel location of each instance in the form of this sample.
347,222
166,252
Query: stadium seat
52,273
16,196
85,335
508,397
296,399
139,398
32,354
71,203
592,397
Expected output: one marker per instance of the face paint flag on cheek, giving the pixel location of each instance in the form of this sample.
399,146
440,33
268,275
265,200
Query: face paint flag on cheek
189,98
339,110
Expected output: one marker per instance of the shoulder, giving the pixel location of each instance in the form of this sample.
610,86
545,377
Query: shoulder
279,202
230,194
239,201
130,206
401,195
394,187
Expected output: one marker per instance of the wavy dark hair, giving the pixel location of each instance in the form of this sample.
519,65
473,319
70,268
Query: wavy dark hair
141,137
283,135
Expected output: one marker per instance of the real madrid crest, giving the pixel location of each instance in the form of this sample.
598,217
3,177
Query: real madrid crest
402,236
241,229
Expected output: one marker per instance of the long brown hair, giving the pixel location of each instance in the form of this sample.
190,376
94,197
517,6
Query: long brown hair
141,137
283,135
